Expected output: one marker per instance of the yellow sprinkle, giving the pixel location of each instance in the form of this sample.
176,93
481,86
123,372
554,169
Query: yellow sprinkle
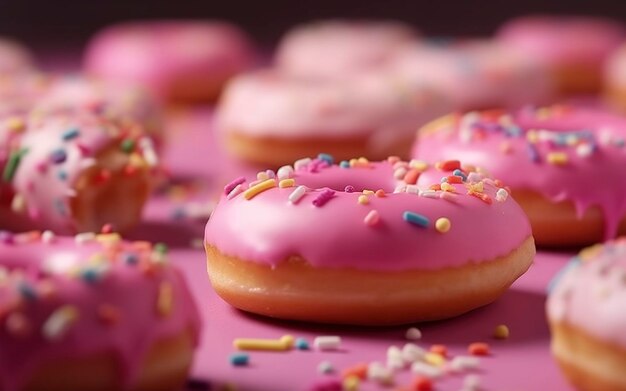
18,203
351,383
259,188
262,176
532,136
591,252
557,158
353,162
111,238
419,165
434,359
363,200
368,192
165,300
501,332
15,124
363,160
477,187
438,124
443,225
445,186
287,183
282,344
543,113
136,160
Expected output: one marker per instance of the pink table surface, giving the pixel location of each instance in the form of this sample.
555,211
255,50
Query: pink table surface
522,362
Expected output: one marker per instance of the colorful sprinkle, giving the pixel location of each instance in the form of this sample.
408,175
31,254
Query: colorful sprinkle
325,367
12,164
70,134
372,218
323,197
282,344
448,165
557,158
363,200
229,187
285,172
301,163
443,225
327,343
349,189
411,177
501,332
415,219
58,156
165,299
478,349
235,192
285,183
326,157
502,195
413,334
60,322
421,383
301,344
297,194
251,192
380,193
127,145
239,359
351,383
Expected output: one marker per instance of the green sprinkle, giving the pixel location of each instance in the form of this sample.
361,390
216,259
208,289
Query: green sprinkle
128,145
160,248
12,165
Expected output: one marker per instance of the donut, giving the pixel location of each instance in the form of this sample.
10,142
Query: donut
615,79
568,162
271,118
574,48
336,48
92,312
366,243
73,173
177,60
14,58
476,73
585,311
123,102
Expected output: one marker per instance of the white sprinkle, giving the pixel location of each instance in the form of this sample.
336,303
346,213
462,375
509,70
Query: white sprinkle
421,368
471,383
372,218
270,174
502,195
325,367
399,164
18,203
399,173
297,194
330,342
394,358
301,163
399,189
464,363
285,172
413,334
87,163
234,192
71,193
84,237
584,150
412,353
429,193
377,372
412,189
149,154
57,325
473,177
47,237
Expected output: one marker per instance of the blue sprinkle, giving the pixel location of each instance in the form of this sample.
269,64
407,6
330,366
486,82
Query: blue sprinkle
460,173
90,275
416,219
27,291
70,134
533,154
239,359
513,131
58,156
302,344
178,213
131,259
60,207
62,175
326,157
344,164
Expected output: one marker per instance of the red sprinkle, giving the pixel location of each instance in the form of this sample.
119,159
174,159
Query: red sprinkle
102,176
448,165
107,229
436,186
411,176
482,196
441,350
454,179
421,383
380,193
478,349
358,370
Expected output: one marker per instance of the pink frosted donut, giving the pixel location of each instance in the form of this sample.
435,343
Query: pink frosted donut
177,60
92,313
568,162
337,48
366,243
14,58
476,74
123,102
587,315
574,48
273,118
615,79
73,173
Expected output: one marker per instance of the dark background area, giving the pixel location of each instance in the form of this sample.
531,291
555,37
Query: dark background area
69,23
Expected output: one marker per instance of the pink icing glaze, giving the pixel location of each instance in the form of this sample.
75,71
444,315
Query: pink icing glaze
475,73
160,54
562,41
590,140
46,184
270,104
269,228
591,295
615,70
14,58
38,277
337,48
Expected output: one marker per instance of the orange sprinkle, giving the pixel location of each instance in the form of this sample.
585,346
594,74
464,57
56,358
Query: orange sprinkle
454,179
436,186
411,176
478,349
380,193
482,196
448,165
439,349
421,383
358,370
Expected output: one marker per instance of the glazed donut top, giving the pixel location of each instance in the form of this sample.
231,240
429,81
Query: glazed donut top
388,216
563,40
590,294
14,58
48,156
337,48
156,53
475,73
615,70
563,153
272,104
64,297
